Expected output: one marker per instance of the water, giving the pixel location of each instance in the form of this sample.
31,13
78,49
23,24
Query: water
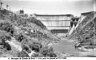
67,46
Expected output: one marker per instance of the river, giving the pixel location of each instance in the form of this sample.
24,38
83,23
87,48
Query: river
67,46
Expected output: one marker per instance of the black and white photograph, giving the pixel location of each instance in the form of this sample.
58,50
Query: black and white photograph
54,29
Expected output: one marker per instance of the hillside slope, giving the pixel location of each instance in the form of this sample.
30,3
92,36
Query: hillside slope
24,37
85,33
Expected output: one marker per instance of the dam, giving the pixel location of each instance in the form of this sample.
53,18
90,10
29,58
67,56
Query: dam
56,23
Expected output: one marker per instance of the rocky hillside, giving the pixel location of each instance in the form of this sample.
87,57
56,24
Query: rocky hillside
24,37
85,33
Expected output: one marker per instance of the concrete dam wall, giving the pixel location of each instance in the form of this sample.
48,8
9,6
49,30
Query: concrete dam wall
55,21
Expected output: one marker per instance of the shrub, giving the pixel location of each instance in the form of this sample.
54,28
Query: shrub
5,45
19,37
23,54
5,36
37,55
26,48
36,46
7,27
51,54
47,51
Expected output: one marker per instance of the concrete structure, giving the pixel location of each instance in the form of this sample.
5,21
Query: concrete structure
73,24
55,22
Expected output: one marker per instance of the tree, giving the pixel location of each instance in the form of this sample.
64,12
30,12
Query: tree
1,5
7,6
21,11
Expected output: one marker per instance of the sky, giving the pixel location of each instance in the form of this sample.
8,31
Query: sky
75,7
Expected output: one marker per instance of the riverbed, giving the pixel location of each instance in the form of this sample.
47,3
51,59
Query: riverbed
67,46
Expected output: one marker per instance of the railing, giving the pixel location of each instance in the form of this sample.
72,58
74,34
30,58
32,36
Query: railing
54,20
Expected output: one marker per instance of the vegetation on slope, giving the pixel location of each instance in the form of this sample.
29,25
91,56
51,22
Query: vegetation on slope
86,32
21,37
